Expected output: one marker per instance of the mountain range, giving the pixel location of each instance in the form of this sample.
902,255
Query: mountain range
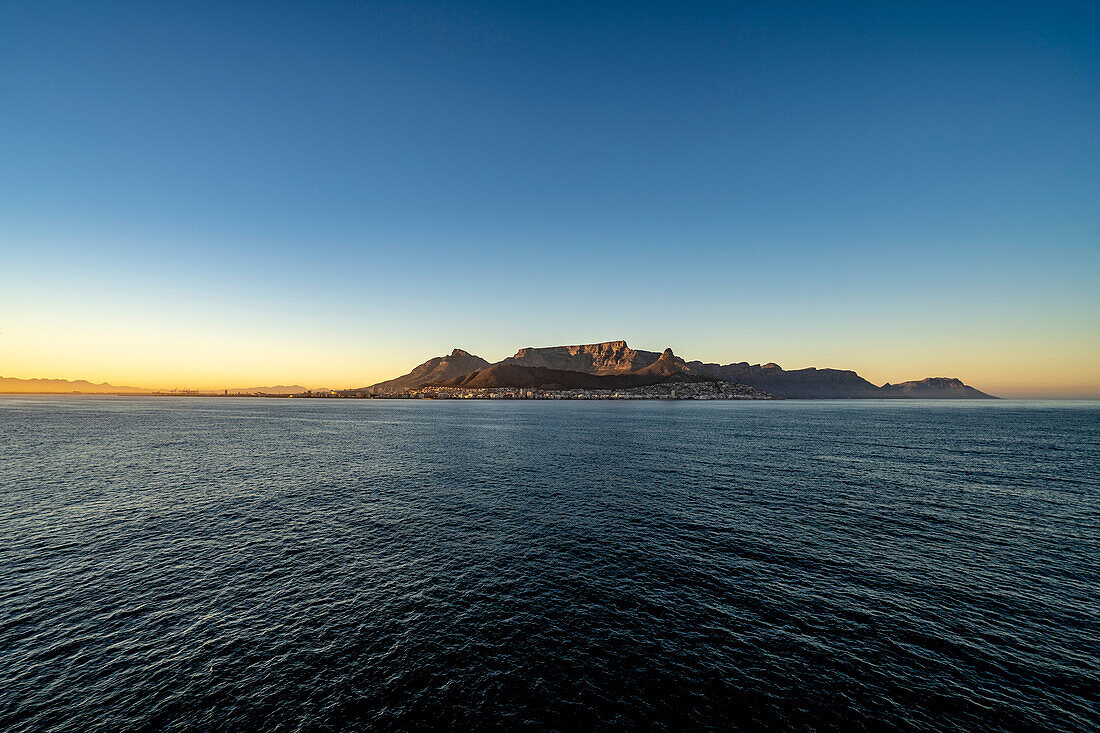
606,365
45,386
15,385
614,365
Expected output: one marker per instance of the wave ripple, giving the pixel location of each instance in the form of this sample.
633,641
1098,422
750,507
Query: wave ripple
210,564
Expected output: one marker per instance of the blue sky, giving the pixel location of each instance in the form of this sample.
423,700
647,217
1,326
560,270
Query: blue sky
328,193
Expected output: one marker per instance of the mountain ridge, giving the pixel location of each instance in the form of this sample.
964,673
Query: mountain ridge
436,369
43,385
609,358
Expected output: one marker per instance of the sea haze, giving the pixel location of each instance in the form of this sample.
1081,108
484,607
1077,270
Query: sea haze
225,564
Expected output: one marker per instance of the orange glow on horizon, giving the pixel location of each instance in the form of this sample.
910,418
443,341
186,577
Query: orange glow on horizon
200,361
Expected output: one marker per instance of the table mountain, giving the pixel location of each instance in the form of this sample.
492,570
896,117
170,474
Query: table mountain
609,357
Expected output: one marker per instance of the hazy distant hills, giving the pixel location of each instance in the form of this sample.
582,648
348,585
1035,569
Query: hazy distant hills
30,386
528,377
66,386
277,389
573,367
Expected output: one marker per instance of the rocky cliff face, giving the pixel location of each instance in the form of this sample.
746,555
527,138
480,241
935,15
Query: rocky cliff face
939,388
609,357
439,369
591,366
670,365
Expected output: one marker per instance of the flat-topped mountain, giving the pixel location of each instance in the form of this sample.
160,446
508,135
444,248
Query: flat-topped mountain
438,369
570,364
609,357
934,387
616,357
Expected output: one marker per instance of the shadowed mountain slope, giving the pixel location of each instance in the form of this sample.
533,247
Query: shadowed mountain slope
65,386
670,365
526,377
809,383
616,357
438,369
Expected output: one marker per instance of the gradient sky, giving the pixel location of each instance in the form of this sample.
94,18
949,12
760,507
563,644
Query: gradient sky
318,193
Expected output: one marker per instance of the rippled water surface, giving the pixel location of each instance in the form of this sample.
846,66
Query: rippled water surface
224,564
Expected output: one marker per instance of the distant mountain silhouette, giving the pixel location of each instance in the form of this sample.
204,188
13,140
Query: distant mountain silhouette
934,387
277,389
64,386
434,370
81,386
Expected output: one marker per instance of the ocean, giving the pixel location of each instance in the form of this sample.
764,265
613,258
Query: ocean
278,564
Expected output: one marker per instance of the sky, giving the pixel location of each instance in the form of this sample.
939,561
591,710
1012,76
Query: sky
236,194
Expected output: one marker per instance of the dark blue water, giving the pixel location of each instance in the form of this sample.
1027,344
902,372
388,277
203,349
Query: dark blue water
224,564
